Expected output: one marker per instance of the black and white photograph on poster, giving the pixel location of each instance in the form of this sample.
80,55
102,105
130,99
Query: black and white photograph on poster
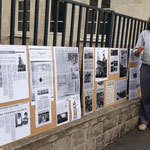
123,62
75,107
101,64
121,89
110,92
62,112
88,65
42,107
15,122
88,102
67,79
13,72
100,85
132,57
114,61
134,74
99,98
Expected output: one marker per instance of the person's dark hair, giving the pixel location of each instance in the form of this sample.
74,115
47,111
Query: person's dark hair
148,24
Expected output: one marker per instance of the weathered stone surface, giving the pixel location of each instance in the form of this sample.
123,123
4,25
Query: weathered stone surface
97,129
100,142
46,147
52,138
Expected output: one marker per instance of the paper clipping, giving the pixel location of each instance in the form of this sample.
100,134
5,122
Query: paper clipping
41,69
114,61
75,107
123,62
42,108
101,64
62,112
88,66
13,73
88,102
121,89
110,92
132,57
14,123
66,72
100,95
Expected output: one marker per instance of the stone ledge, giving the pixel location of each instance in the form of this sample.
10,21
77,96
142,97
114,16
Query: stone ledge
83,123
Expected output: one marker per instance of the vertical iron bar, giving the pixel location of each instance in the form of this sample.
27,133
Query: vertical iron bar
56,22
145,25
86,26
103,29
92,27
126,36
113,39
79,26
72,25
36,22
64,24
134,34
0,19
122,34
137,33
46,22
141,27
12,21
24,32
98,29
130,34
118,33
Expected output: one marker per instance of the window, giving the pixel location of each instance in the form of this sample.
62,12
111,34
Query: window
105,3
53,15
93,3
20,7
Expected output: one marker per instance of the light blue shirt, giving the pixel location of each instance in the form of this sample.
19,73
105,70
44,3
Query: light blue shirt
144,40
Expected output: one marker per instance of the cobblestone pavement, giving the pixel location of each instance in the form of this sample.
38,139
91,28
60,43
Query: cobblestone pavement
134,140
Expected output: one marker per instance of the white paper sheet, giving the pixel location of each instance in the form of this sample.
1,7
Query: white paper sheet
14,123
62,108
66,72
13,73
41,69
114,61
121,89
110,92
101,64
88,68
42,108
75,107
132,57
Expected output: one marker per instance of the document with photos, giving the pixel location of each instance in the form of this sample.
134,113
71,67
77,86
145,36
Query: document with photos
13,73
88,68
66,72
41,71
14,123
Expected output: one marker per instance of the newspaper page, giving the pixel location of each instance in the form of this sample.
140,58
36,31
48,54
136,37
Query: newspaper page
88,68
110,92
101,64
62,109
41,69
14,123
75,107
134,82
42,108
100,95
123,62
88,102
114,61
121,89
66,72
132,57
13,73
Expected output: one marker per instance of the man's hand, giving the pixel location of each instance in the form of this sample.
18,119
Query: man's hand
139,50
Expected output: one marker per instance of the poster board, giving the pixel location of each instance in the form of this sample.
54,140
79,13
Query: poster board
101,93
26,105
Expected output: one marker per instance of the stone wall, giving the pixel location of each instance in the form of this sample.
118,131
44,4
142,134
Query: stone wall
91,132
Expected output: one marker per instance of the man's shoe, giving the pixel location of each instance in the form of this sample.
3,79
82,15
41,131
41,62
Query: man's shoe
142,127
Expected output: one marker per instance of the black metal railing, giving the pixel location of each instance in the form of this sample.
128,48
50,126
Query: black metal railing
112,29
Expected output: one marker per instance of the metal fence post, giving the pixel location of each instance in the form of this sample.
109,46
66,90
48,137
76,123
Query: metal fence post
109,29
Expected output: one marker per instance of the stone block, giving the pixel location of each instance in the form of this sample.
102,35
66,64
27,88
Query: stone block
88,133
122,129
97,129
100,142
136,111
46,147
52,138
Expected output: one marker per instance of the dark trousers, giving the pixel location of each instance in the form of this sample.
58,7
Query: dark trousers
145,89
